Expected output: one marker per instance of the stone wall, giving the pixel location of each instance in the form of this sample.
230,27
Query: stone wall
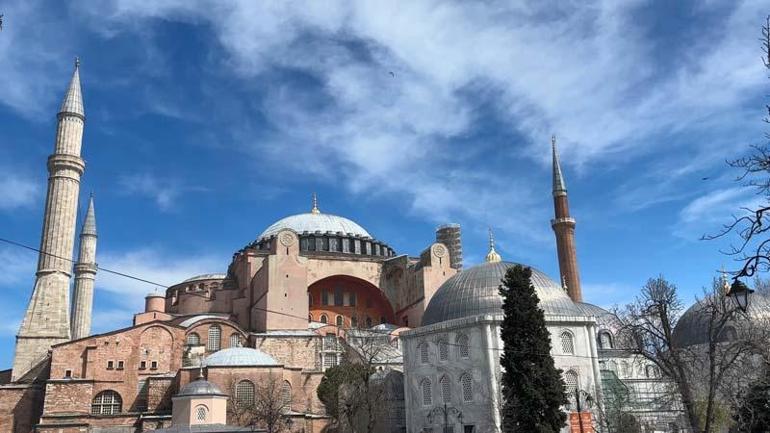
20,407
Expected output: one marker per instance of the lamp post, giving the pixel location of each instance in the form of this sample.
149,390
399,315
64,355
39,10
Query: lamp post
445,410
739,293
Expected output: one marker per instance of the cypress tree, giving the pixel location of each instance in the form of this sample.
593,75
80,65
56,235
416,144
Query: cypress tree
532,387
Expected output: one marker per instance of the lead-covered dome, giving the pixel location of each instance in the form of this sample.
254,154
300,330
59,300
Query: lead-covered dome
475,291
240,357
200,387
315,222
692,328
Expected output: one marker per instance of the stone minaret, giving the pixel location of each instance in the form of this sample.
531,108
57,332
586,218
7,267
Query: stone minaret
564,228
85,274
46,321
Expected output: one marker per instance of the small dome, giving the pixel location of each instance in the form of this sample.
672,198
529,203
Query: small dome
240,356
200,386
692,327
604,318
312,222
206,277
475,291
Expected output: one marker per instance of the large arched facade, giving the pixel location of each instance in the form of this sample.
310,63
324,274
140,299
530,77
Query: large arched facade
348,302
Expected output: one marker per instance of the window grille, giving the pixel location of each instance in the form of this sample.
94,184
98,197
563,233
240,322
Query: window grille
330,342
200,414
244,392
215,335
424,353
340,321
106,403
446,393
353,299
427,396
443,350
567,344
329,360
467,384
651,371
286,395
462,346
324,319
571,381
324,297
338,297
193,339
605,340
354,322
110,365
235,340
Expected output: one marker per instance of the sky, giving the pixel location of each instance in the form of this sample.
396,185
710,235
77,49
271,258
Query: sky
207,121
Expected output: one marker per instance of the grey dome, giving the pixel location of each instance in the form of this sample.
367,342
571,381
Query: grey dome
475,291
200,386
692,327
312,222
604,318
241,357
206,277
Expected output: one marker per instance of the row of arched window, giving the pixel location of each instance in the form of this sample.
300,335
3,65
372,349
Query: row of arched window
340,320
460,344
650,371
214,341
446,389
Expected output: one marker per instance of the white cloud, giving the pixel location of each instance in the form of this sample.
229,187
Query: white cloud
164,192
16,265
707,213
17,191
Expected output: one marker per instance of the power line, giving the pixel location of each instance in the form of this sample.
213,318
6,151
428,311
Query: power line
266,310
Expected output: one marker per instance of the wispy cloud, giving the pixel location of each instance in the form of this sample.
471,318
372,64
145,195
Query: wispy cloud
16,265
714,209
17,191
164,192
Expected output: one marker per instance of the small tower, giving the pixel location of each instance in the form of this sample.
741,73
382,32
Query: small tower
492,255
449,235
46,321
200,402
564,228
85,274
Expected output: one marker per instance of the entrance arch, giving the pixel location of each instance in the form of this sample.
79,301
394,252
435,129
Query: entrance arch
354,302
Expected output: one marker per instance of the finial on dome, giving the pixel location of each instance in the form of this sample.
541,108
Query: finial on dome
492,255
564,282
77,62
725,282
315,210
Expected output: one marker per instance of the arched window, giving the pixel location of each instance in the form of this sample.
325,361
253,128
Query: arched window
340,321
427,396
235,340
443,350
193,339
424,352
324,319
368,322
286,395
215,337
567,343
354,322
200,414
570,381
446,394
106,403
651,371
466,382
244,393
605,340
462,346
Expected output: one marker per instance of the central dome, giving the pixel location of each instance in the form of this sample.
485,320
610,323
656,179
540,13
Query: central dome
475,291
312,222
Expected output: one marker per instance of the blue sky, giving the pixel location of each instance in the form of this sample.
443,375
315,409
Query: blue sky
206,122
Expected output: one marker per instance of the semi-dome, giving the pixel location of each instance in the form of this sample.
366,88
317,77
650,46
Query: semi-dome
475,291
312,222
200,387
240,357
692,328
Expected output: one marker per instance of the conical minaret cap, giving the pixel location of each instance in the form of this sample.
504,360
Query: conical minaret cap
559,187
73,99
89,224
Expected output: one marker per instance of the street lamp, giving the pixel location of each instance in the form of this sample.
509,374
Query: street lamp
739,293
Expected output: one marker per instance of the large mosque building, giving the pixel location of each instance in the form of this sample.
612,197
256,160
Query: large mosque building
280,313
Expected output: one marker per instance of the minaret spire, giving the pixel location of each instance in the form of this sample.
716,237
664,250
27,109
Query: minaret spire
46,321
564,228
492,255
315,210
85,274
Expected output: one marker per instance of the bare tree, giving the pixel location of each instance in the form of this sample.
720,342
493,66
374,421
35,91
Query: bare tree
698,371
752,224
268,407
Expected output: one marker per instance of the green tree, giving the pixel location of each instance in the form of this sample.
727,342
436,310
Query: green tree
331,389
753,412
532,387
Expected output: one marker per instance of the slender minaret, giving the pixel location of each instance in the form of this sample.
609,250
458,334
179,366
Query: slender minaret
46,321
564,228
85,274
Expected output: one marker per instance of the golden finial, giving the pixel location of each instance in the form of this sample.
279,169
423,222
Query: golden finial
725,283
492,256
315,210
564,282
